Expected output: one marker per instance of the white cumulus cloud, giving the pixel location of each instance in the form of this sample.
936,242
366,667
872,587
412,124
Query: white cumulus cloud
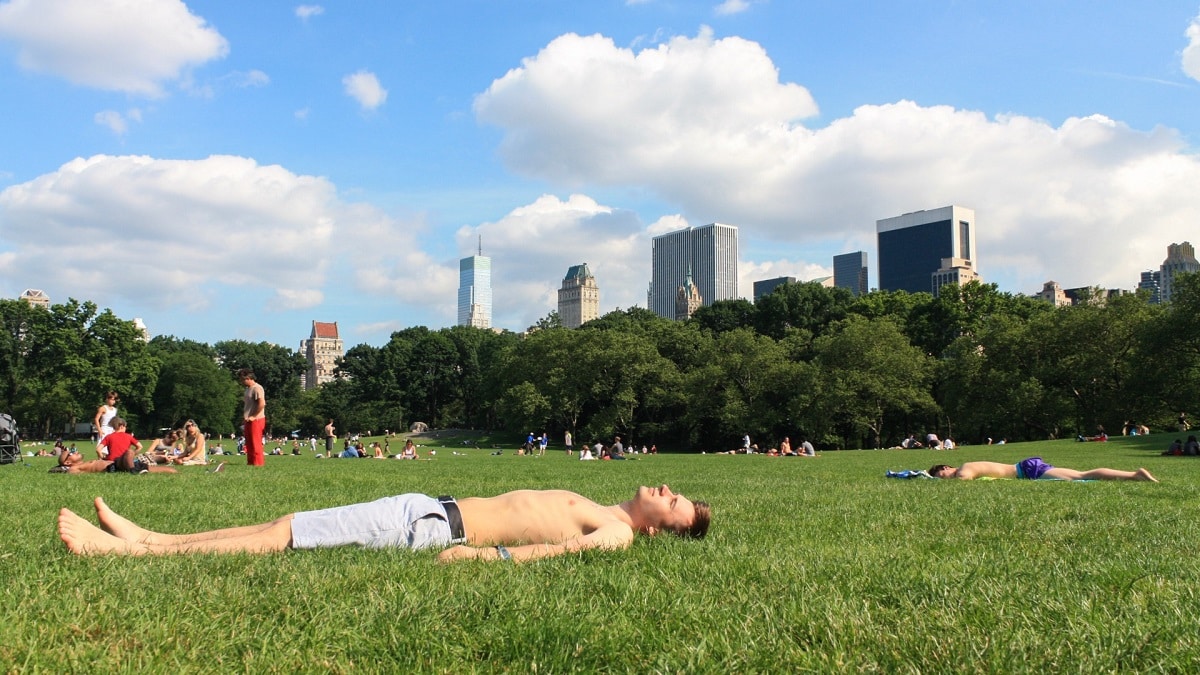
168,233
732,7
1191,53
364,87
305,12
133,46
719,101
707,126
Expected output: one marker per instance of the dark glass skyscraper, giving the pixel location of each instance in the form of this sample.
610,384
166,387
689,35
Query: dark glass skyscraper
912,246
850,272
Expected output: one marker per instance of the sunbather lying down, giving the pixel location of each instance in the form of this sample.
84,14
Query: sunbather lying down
535,523
1033,468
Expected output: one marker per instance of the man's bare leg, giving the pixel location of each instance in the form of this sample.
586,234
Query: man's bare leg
123,528
83,538
89,466
1100,474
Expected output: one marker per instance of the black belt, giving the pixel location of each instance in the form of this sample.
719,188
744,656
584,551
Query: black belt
454,518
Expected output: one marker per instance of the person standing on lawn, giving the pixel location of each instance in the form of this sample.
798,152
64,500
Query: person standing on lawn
254,417
104,417
330,436
534,523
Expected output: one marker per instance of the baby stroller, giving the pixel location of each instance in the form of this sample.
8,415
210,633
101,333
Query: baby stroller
10,450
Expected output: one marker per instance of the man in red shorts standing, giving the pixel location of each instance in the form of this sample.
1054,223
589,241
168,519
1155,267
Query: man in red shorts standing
254,417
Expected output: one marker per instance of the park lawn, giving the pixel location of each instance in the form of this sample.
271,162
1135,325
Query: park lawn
811,565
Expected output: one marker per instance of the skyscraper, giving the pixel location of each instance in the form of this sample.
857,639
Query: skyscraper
321,352
579,297
1151,282
475,290
768,286
911,247
1180,258
708,252
850,272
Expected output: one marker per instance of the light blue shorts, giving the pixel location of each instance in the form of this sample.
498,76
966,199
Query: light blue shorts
412,521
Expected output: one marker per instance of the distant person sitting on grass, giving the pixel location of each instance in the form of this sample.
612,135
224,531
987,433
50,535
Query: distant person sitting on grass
195,446
1033,468
119,446
535,523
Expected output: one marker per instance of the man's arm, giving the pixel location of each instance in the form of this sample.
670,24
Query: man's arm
611,536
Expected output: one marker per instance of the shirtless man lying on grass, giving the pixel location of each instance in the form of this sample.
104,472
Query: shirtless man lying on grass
534,523
1033,468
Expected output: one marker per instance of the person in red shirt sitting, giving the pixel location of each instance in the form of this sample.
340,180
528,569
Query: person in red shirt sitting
122,456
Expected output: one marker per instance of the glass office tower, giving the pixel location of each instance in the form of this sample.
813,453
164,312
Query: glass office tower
911,247
708,252
850,272
475,291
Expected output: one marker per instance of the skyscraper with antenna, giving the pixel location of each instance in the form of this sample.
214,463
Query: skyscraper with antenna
475,290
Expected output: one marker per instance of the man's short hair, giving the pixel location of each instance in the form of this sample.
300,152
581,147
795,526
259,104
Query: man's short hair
937,468
245,374
118,422
699,526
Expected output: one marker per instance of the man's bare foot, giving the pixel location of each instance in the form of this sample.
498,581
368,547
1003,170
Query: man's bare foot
120,526
84,538
1143,474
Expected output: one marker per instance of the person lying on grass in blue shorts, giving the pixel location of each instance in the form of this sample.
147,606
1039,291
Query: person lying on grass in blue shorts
1033,468
534,523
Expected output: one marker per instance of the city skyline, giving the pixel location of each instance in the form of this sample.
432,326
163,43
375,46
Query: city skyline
261,164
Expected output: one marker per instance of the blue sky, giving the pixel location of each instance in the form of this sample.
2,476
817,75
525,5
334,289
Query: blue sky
239,169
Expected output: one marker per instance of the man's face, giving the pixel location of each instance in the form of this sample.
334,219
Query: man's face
664,509
945,472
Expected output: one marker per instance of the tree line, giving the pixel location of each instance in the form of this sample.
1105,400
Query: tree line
805,361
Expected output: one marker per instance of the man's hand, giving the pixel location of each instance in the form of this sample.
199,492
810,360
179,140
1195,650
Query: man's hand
459,552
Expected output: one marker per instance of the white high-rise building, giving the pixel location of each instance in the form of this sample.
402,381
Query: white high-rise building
475,291
708,252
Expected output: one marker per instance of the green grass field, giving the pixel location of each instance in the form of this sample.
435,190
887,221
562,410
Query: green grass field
816,565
